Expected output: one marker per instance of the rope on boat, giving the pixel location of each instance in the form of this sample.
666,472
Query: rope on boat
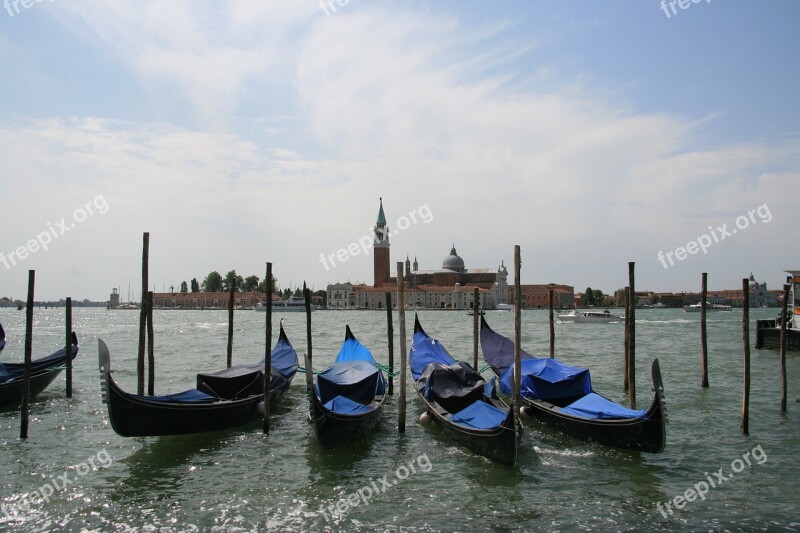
302,369
388,370
484,368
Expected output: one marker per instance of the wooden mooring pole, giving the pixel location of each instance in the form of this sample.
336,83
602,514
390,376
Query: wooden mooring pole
230,321
309,358
703,331
632,335
26,376
746,341
475,327
401,311
552,327
151,358
268,349
627,360
390,335
143,314
517,334
784,320
68,346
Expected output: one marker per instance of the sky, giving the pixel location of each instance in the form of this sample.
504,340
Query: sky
589,133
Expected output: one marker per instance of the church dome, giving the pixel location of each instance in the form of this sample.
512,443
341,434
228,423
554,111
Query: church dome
453,261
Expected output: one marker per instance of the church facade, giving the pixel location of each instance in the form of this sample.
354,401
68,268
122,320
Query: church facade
450,287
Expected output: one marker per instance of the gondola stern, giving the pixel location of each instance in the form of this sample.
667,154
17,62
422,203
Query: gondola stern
348,333
282,335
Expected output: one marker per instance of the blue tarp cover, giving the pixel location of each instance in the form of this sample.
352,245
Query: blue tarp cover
548,379
352,350
346,406
189,396
284,358
358,380
480,415
424,351
498,350
595,406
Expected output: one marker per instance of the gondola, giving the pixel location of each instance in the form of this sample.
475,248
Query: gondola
2,338
346,402
43,372
561,396
460,400
222,400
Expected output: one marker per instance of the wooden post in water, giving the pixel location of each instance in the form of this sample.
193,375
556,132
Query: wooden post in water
26,376
268,349
151,358
390,335
68,346
309,359
626,363
632,336
703,334
475,330
746,340
230,322
784,319
517,334
401,310
552,328
143,313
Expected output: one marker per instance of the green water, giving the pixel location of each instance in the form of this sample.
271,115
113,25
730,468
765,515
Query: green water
241,480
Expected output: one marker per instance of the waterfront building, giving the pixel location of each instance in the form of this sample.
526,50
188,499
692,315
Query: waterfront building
450,287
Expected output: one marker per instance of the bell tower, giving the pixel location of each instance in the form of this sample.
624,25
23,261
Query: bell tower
380,246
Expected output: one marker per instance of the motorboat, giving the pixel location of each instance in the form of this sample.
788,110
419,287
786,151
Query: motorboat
293,304
696,308
590,317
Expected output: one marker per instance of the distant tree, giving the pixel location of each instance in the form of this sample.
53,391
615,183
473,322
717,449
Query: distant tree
230,278
655,298
298,292
323,295
184,287
588,296
287,293
619,297
195,285
250,284
598,297
213,282
262,287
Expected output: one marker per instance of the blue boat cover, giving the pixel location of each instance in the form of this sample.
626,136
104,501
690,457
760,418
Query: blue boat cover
498,350
4,375
189,396
284,358
360,381
480,415
352,350
424,351
548,379
595,406
345,406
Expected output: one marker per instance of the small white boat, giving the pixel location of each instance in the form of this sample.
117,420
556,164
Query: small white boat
696,308
293,304
504,307
590,317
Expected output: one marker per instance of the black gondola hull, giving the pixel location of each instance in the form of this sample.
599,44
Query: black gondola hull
11,393
647,435
334,430
498,444
135,416
43,372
